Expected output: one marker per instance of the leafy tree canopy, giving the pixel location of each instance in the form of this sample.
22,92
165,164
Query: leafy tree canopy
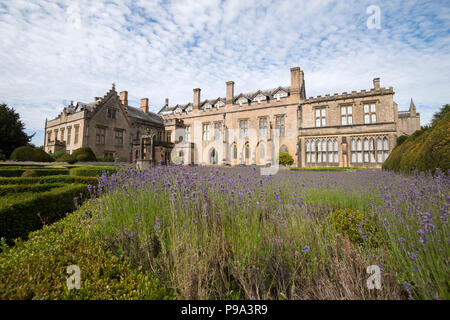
12,134
440,114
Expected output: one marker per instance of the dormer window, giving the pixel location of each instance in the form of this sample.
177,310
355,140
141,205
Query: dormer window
219,104
177,110
260,98
188,109
207,106
242,101
280,94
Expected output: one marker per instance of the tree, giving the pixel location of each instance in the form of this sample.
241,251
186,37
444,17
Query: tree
12,133
440,114
285,159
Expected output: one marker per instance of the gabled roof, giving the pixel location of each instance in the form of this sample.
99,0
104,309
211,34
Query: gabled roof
260,92
139,114
241,95
285,89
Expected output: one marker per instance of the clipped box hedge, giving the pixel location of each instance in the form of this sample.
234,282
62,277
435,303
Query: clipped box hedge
13,172
48,179
37,269
22,216
21,188
93,171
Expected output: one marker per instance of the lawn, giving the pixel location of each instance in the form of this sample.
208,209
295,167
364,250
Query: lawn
216,233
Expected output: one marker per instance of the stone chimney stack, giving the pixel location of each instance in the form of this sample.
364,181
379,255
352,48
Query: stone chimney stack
166,103
197,98
296,80
230,92
144,105
124,98
376,83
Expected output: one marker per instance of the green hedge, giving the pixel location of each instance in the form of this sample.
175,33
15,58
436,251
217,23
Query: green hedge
84,154
36,269
93,171
425,149
48,179
21,188
20,217
13,172
28,153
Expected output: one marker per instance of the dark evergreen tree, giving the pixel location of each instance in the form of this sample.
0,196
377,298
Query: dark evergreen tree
12,134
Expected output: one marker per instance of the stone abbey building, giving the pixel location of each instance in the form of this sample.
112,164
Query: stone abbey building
356,129
109,126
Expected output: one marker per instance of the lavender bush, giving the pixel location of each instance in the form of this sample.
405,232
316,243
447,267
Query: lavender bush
230,233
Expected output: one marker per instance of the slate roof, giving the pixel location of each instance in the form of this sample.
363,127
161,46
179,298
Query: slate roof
150,116
249,95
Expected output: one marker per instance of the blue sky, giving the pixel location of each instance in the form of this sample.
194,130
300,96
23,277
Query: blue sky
56,51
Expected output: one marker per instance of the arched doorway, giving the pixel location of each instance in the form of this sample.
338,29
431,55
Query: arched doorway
247,153
213,157
261,154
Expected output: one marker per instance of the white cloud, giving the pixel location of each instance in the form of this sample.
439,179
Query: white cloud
55,51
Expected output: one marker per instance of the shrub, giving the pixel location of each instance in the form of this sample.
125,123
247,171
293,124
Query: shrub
123,159
59,154
12,172
355,225
29,214
401,139
29,173
28,153
69,158
84,154
48,179
2,156
21,188
426,149
49,251
285,158
106,159
92,171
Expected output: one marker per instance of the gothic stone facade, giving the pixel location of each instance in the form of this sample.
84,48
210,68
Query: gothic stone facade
357,129
109,126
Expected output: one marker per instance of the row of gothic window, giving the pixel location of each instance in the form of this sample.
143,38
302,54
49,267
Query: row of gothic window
369,150
365,150
322,151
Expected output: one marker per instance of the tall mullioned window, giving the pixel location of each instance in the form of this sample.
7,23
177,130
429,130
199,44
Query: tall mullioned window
69,135
100,135
118,137
320,114
369,149
263,127
77,131
206,132
217,130
243,125
370,113
187,134
279,126
346,115
322,151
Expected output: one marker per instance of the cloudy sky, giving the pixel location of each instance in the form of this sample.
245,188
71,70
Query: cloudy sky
52,52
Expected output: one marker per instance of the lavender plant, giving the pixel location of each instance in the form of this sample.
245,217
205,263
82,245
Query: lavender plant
230,233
